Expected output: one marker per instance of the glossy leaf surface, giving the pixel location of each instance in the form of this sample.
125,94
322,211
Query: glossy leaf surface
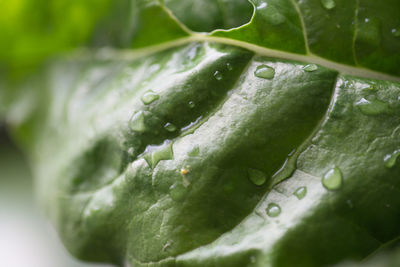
270,141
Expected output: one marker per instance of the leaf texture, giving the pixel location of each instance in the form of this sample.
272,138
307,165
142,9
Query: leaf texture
269,140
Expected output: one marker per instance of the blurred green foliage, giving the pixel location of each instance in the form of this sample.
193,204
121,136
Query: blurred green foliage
32,30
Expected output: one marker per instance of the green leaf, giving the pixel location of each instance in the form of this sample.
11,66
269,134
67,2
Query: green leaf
208,15
359,33
326,226
34,29
108,199
270,141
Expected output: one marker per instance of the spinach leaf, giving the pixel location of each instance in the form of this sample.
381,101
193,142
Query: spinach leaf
270,139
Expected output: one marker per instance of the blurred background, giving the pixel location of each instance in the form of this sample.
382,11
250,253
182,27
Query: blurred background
31,32
26,237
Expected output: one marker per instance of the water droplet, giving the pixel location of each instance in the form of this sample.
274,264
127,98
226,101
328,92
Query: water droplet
170,127
256,176
229,66
333,179
300,192
165,152
273,210
265,72
218,75
149,97
191,104
396,32
328,4
194,152
177,191
310,67
137,122
372,107
262,5
390,159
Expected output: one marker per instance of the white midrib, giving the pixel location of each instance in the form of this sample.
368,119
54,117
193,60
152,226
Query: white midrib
310,58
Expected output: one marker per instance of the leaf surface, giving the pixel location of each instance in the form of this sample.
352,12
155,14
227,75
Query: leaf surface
272,140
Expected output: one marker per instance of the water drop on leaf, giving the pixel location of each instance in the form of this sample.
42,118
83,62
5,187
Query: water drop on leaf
310,67
262,5
390,159
149,97
265,72
137,122
273,210
218,75
170,127
300,192
256,177
333,179
163,153
372,107
191,104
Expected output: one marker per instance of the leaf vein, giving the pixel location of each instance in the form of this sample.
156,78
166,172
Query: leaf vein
303,26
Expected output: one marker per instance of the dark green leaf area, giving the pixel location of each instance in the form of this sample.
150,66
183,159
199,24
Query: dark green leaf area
377,43
179,153
201,76
96,167
276,25
364,34
330,28
209,15
218,181
153,25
